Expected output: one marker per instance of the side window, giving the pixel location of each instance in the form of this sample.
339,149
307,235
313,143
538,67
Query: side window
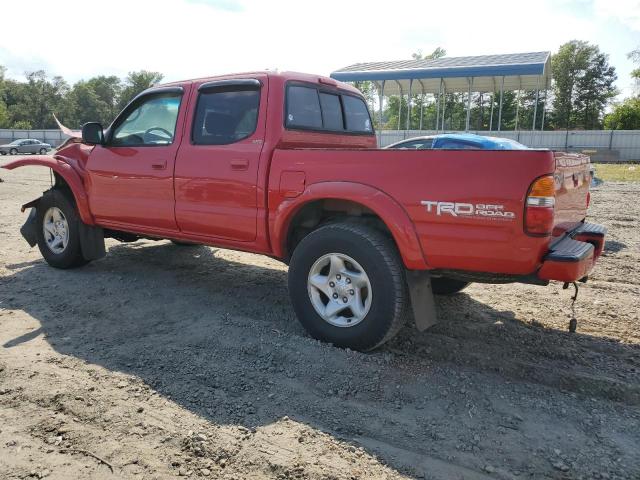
151,122
303,108
225,115
356,114
418,144
331,111
456,145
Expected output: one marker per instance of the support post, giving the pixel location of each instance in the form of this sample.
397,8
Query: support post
409,105
500,107
518,101
611,140
399,104
493,101
535,108
438,106
470,82
544,108
381,99
421,103
444,104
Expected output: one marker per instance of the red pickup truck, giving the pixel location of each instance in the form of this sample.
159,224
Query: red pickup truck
286,165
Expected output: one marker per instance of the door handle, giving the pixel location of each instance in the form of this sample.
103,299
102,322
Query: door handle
239,164
159,166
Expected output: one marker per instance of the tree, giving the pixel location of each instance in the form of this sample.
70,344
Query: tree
583,85
84,105
634,55
108,89
625,115
439,52
137,82
22,125
4,111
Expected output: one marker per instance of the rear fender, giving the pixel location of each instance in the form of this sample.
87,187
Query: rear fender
389,211
69,175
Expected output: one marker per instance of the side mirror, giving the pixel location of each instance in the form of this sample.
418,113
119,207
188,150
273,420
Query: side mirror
92,133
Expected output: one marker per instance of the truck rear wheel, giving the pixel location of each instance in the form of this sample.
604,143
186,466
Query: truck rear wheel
347,286
447,286
58,231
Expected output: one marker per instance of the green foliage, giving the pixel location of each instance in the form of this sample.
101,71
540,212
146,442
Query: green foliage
31,104
583,85
135,83
634,55
437,53
22,125
625,115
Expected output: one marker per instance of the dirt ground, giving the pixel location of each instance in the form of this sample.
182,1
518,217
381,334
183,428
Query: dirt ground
162,361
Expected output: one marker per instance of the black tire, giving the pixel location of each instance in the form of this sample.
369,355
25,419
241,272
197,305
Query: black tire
378,256
71,256
447,286
43,151
13,151
3,152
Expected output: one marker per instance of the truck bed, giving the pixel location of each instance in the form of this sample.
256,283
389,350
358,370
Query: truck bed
493,184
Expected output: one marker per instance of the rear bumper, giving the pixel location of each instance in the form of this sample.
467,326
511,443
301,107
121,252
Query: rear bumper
572,258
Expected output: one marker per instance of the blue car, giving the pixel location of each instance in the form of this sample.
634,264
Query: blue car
457,141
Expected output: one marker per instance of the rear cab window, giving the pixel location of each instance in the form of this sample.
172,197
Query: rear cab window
313,107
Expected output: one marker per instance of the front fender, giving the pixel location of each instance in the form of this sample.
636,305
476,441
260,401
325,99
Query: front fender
391,213
69,175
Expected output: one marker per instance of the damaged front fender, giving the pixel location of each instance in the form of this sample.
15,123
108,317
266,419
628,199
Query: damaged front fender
68,174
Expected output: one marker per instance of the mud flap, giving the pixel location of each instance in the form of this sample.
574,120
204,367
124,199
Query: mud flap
91,241
422,300
29,229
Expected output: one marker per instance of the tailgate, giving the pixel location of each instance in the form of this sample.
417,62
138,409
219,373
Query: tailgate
572,179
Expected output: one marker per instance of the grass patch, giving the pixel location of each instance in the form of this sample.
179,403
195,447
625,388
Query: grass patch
618,172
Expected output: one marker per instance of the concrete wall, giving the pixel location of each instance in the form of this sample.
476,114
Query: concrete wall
601,145
53,137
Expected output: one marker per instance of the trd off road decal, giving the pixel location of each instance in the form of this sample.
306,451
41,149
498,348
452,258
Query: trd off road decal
457,209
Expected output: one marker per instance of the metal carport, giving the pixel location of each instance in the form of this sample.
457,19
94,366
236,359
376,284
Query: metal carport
482,73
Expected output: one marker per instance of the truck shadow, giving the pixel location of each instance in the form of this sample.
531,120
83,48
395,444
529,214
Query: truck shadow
219,337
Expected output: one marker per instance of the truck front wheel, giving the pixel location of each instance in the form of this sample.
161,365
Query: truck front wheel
58,230
347,286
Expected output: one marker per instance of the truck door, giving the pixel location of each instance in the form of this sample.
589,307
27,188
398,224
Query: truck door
216,171
131,175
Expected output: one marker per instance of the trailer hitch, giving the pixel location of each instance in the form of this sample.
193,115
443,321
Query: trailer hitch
573,322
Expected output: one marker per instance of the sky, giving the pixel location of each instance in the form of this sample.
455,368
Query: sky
193,38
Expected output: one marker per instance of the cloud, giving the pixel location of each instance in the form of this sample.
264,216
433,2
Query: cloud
230,5
193,38
626,12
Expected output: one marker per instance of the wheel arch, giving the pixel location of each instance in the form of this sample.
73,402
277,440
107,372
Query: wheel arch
351,200
66,177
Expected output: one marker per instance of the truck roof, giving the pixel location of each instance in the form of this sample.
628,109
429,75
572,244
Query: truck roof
302,77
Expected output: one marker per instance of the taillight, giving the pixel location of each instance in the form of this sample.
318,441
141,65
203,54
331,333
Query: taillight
539,210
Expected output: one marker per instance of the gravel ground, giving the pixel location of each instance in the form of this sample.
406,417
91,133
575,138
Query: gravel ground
162,361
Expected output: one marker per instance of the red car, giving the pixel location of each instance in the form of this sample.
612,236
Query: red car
286,165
